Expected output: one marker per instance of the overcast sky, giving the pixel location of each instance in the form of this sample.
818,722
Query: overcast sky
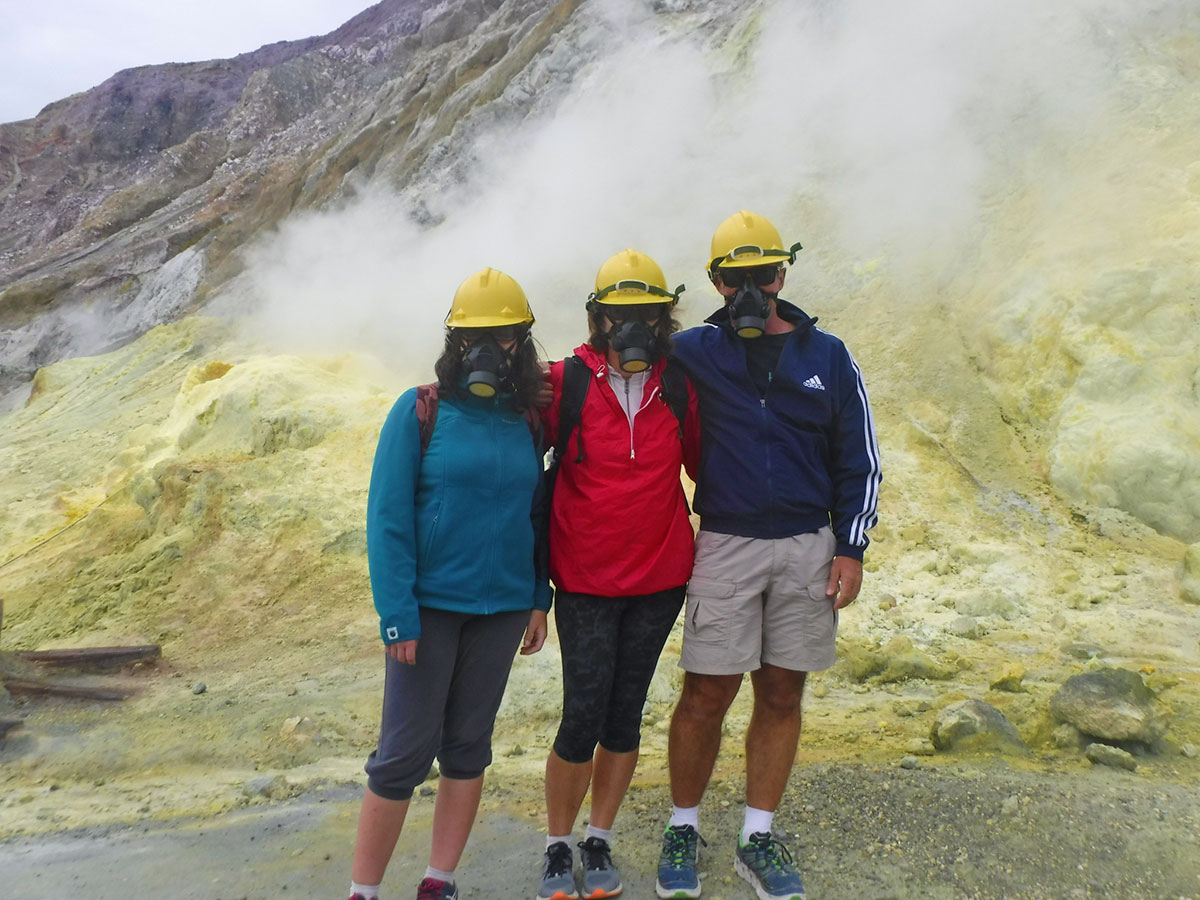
50,49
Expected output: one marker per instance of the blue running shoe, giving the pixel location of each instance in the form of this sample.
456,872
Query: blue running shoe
677,876
767,864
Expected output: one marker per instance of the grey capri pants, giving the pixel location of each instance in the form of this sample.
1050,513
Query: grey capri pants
445,705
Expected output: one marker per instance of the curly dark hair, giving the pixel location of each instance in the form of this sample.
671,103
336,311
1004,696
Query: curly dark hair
665,327
527,372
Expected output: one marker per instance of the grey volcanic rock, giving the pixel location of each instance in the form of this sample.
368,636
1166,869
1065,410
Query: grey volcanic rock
1105,755
975,724
1111,704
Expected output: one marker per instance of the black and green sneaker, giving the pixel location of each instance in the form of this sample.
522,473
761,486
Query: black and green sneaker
677,876
767,864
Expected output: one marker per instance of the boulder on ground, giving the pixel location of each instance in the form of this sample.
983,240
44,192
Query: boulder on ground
1105,755
975,725
1110,704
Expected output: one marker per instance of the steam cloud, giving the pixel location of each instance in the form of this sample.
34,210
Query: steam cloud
866,130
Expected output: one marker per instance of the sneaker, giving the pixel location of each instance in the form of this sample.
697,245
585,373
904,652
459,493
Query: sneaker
767,864
600,876
677,863
558,881
432,889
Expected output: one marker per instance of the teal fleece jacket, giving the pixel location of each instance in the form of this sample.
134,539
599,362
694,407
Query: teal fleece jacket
454,529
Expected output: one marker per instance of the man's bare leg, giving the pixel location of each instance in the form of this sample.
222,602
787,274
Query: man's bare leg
773,734
696,733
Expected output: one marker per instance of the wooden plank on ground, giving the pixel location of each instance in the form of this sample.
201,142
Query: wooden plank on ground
91,657
64,689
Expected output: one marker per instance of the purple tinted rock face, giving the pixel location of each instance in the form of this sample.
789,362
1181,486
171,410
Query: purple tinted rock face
104,188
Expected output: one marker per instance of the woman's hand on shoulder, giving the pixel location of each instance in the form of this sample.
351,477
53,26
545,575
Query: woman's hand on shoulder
535,633
403,651
545,392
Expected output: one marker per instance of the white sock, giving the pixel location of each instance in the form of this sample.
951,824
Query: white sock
558,839
758,821
439,875
685,815
367,891
605,834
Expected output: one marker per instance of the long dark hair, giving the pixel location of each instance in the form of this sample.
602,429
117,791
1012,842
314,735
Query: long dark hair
663,329
527,372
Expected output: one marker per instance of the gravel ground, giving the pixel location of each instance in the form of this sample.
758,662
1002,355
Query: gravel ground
973,831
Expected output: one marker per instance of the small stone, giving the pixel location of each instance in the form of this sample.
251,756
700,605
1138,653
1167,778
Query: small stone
1105,755
1010,679
1010,805
820,690
1188,750
427,790
909,762
199,687
1083,651
887,601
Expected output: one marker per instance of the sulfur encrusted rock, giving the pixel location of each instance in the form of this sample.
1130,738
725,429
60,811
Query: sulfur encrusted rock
973,724
1105,755
1110,704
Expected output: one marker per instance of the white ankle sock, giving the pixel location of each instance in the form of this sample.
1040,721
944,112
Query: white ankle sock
605,834
558,839
685,815
431,872
758,821
366,891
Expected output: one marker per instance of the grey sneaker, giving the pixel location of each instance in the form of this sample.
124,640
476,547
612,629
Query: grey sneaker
767,864
600,877
558,880
677,876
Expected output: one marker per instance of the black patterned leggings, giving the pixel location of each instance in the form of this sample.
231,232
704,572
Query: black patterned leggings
610,646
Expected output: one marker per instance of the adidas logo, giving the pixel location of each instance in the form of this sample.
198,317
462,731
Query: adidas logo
815,383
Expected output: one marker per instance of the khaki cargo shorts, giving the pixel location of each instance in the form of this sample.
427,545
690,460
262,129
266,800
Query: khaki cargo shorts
757,600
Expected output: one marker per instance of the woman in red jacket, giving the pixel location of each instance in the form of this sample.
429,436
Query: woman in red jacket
620,552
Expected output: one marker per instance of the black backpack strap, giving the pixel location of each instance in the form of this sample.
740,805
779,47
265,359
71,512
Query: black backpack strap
427,410
577,377
675,391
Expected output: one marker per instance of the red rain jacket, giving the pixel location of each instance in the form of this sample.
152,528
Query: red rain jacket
619,521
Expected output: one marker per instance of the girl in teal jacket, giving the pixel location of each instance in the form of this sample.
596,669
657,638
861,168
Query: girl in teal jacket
452,538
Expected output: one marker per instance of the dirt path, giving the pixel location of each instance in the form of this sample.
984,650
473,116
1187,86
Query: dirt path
959,832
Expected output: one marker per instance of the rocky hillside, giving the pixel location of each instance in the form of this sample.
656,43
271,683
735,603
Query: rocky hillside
126,206
1000,217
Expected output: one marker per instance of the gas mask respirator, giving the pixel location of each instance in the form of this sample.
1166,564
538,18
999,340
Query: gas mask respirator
488,368
635,345
748,311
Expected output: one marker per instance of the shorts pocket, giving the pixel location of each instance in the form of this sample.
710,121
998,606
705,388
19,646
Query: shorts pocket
707,618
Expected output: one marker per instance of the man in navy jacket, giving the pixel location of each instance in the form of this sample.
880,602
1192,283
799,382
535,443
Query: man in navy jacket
787,487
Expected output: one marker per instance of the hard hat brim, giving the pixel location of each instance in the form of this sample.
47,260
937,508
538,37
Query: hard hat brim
486,321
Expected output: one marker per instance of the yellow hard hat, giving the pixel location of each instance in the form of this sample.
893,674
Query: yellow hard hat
748,239
488,299
630,278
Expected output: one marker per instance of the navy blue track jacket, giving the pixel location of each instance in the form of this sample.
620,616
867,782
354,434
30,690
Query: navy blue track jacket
802,457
